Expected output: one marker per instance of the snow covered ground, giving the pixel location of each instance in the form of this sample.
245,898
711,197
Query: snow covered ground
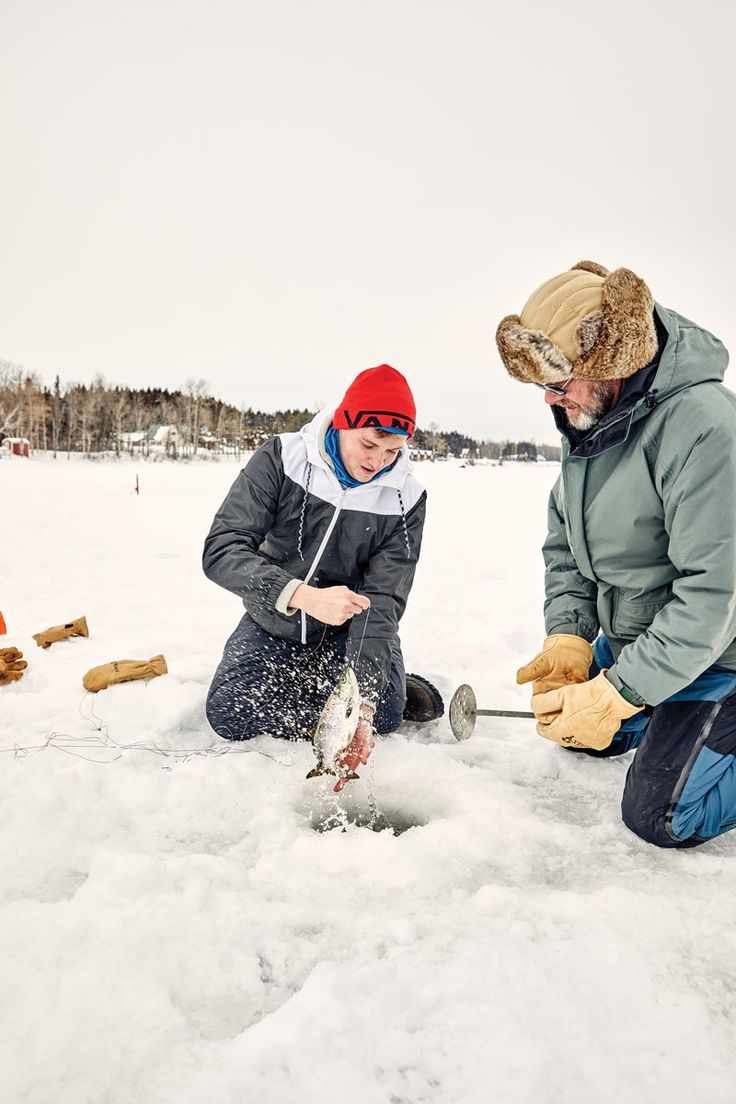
190,931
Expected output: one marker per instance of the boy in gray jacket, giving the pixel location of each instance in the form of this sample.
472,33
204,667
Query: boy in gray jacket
320,536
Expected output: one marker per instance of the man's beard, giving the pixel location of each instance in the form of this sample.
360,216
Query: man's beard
583,418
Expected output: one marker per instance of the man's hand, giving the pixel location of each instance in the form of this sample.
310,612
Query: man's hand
582,715
331,605
12,665
564,659
359,749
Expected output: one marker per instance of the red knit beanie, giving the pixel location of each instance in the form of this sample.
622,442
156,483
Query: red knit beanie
378,398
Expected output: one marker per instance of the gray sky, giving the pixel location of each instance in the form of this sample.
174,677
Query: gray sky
274,196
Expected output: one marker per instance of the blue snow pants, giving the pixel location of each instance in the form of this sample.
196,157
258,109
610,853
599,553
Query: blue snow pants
681,786
268,686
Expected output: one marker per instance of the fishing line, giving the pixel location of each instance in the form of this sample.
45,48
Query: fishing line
84,747
374,811
362,638
103,750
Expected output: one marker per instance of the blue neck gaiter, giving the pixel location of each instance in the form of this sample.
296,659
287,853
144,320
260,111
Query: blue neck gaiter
332,448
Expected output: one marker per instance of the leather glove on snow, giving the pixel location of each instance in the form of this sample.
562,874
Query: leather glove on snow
123,670
12,665
563,659
582,715
61,632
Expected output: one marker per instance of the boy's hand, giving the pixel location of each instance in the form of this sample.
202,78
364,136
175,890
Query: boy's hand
355,754
331,605
359,749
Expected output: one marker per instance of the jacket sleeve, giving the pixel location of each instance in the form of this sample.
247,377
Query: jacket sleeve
231,557
698,623
570,598
387,581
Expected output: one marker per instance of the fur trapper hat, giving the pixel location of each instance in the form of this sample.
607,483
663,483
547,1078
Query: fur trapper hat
587,323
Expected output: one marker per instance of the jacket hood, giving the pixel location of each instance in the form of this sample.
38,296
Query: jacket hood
687,356
691,355
314,437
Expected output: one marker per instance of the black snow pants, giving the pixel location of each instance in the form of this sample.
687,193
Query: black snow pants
268,686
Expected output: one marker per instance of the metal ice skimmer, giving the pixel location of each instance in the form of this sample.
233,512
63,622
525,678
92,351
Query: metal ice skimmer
464,712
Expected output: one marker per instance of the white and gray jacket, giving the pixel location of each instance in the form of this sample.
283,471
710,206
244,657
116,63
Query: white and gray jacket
286,520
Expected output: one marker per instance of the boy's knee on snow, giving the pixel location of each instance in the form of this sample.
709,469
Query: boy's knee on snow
223,723
390,713
388,722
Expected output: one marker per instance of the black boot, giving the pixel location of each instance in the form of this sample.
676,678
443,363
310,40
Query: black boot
423,700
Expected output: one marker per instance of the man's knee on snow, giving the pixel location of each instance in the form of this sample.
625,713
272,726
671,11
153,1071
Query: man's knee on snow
651,823
644,823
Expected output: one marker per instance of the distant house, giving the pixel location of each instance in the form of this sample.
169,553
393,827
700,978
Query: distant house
17,446
134,439
419,453
166,435
522,457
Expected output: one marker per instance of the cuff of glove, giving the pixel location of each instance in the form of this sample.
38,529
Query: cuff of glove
627,692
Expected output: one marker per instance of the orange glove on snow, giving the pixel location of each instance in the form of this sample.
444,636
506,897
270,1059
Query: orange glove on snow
61,632
123,670
12,665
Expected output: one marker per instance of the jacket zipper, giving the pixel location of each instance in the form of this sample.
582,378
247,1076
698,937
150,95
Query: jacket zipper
648,400
318,557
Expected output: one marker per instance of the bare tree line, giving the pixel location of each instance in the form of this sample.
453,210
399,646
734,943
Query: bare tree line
100,418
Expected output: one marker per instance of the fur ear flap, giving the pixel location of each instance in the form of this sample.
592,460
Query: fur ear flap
529,355
590,266
588,332
627,337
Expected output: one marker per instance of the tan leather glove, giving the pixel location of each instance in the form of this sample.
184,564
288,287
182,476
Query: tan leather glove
61,632
123,670
12,665
582,715
562,660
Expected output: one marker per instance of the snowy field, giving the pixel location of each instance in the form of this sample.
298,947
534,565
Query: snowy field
189,930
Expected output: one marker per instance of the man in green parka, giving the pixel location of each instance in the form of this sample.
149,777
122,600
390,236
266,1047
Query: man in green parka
640,556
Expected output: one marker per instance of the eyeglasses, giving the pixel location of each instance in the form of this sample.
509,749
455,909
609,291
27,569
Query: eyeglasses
554,388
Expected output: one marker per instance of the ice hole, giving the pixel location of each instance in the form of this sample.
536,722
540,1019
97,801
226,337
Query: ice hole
340,818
